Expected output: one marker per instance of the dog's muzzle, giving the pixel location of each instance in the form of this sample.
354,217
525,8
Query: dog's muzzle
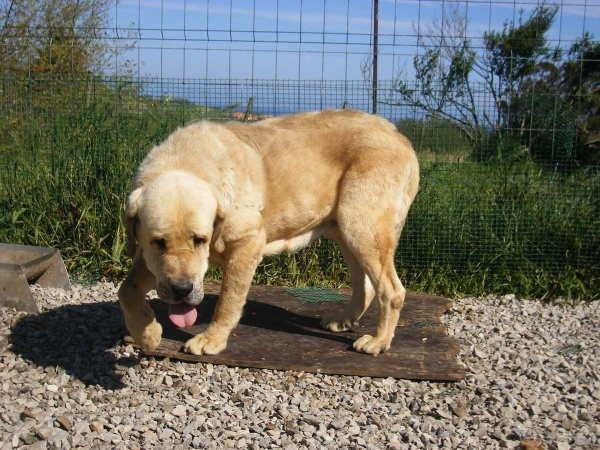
181,291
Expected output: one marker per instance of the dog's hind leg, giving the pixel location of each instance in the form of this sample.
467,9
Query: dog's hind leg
362,294
376,255
373,239
139,317
390,297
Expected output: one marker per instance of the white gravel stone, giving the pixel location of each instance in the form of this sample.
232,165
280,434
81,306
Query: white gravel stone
70,377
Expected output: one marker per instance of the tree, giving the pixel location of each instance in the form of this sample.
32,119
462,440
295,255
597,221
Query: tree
442,88
58,37
559,105
15,21
452,77
512,59
513,54
580,77
53,55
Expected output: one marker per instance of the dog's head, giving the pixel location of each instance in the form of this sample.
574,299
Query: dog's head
174,220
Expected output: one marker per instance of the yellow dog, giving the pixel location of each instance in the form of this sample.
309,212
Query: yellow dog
229,194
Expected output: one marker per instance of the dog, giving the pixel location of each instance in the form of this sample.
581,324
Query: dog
228,194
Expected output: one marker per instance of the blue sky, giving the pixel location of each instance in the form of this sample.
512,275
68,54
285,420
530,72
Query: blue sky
308,39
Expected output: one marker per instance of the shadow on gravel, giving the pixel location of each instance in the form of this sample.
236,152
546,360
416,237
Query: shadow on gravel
78,339
86,340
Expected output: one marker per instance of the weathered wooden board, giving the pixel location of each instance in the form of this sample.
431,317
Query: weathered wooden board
279,331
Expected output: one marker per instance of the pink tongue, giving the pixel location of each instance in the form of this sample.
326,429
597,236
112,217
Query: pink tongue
182,314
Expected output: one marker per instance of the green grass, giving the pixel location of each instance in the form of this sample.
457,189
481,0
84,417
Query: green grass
69,156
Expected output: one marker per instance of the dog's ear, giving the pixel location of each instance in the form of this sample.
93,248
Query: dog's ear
217,238
131,220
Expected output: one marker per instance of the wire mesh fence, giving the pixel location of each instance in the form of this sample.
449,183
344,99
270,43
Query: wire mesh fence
502,108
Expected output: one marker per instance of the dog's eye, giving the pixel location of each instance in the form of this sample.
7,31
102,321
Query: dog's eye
199,241
160,243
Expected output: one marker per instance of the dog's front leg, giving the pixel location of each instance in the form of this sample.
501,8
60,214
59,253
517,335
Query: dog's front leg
241,261
139,317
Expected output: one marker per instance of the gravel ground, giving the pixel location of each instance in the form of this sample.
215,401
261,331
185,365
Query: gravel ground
70,378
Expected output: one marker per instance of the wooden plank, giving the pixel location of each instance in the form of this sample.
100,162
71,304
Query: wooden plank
279,331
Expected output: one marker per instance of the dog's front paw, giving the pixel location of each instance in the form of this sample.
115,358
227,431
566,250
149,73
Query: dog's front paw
338,323
371,345
205,345
147,337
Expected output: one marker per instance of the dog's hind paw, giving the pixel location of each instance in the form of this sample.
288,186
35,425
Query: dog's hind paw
371,345
338,323
205,345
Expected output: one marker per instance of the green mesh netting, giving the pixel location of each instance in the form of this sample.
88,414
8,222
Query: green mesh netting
521,215
316,294
425,324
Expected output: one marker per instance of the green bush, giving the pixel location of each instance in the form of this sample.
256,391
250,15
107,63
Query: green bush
505,228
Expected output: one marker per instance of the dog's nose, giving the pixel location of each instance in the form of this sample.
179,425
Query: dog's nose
182,288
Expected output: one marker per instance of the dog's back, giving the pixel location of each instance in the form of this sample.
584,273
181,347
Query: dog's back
306,156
